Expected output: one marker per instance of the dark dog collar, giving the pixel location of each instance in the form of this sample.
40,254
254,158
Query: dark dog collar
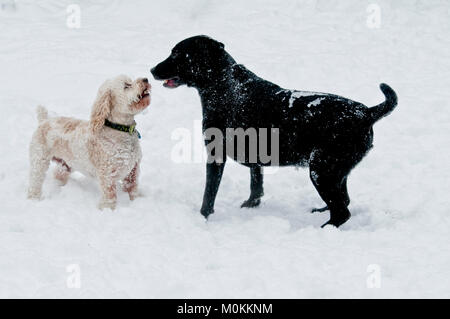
123,128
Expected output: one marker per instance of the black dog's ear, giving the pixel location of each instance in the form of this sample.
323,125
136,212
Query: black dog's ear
205,42
219,45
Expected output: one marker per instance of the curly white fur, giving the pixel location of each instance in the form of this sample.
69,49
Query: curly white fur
90,147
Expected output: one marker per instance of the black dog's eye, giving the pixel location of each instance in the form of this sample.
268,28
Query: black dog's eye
127,86
174,55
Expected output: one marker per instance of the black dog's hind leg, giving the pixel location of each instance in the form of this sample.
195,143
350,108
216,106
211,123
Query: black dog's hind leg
320,210
328,173
329,189
344,193
214,172
256,187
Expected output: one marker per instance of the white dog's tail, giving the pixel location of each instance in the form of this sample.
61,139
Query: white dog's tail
42,113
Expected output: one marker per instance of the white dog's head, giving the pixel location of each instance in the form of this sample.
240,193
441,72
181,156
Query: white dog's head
120,97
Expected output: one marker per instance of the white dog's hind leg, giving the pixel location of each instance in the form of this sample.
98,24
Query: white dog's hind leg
39,163
61,172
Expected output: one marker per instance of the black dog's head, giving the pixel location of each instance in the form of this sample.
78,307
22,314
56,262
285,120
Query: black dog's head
195,62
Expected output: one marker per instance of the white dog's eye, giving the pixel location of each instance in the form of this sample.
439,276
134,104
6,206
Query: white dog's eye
127,86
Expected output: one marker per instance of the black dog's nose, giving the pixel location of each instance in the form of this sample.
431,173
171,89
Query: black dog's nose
153,70
145,80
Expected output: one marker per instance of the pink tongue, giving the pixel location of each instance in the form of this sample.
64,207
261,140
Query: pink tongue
170,83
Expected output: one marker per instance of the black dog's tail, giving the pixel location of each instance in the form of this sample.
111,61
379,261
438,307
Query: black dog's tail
385,108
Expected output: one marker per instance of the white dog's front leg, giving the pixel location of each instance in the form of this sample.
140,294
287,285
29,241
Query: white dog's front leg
108,187
130,183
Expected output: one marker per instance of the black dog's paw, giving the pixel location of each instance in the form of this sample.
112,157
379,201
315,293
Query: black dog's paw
206,212
320,210
336,222
251,203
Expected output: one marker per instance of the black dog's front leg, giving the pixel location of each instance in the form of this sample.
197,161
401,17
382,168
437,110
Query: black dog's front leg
256,187
214,173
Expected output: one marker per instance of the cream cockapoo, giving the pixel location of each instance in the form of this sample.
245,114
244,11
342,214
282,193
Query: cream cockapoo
94,147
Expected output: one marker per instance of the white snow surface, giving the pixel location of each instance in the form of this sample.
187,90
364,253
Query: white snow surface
159,245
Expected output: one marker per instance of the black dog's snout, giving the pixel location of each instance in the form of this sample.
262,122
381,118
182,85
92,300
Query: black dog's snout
153,71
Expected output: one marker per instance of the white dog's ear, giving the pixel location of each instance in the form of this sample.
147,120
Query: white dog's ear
101,109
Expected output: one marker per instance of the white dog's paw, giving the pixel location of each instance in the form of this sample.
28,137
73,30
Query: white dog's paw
107,205
33,195
135,194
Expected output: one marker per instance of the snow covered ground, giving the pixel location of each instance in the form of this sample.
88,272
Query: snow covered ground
395,245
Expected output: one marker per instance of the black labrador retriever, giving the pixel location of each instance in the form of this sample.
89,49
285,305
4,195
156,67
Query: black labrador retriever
326,132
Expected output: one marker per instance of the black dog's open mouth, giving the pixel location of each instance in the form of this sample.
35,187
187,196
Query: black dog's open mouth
172,83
